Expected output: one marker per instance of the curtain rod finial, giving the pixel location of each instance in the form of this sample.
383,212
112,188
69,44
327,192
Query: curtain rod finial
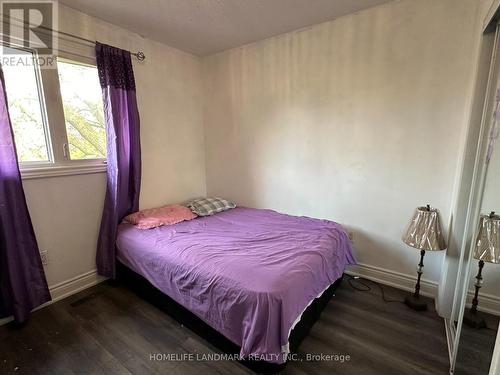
140,56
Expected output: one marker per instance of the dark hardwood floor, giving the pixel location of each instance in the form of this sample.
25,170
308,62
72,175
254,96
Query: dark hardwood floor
109,330
476,348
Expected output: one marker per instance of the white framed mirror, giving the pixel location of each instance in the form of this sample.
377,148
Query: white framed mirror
473,326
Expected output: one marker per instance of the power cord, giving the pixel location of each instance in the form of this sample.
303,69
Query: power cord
352,280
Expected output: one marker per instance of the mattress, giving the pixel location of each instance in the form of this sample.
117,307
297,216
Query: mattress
248,273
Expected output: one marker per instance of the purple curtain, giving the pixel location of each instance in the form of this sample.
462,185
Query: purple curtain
22,280
123,149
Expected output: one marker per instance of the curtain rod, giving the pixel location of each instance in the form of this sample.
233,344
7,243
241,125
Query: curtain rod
139,54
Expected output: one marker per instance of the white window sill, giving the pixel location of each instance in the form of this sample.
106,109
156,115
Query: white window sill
47,171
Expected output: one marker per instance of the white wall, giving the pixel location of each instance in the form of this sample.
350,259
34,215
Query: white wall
66,211
358,120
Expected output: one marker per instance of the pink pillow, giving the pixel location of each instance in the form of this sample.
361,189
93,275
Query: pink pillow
156,217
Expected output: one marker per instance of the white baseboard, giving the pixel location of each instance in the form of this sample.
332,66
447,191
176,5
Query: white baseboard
395,279
6,320
488,303
67,288
76,284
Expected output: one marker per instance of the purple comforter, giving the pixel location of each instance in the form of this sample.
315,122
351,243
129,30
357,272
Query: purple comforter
248,273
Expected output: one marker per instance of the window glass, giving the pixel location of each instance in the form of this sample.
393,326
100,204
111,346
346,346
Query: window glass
83,110
25,107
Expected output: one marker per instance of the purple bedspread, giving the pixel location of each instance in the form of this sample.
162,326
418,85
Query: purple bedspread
248,273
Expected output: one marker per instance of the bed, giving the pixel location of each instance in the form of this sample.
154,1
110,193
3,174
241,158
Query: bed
250,274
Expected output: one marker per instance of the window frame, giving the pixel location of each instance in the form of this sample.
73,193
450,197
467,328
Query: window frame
54,122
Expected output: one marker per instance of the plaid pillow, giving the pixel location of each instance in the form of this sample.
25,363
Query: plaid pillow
209,206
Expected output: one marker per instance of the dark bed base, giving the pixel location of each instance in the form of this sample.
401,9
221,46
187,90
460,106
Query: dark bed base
143,287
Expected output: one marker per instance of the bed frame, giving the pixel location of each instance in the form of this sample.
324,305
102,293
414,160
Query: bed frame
146,290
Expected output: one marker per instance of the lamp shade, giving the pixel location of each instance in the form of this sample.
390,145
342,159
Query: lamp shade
424,231
488,239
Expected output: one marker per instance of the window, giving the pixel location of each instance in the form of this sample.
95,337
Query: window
83,112
57,117
26,111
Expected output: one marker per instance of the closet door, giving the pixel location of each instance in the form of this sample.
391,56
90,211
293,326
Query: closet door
474,338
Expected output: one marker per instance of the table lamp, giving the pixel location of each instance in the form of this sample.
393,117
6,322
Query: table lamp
487,249
424,233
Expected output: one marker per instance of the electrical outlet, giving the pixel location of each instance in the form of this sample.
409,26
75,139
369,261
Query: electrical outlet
44,255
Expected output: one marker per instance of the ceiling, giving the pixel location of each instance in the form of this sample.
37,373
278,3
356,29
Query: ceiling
203,27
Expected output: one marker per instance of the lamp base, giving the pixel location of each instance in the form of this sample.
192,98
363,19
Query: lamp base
415,303
474,319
